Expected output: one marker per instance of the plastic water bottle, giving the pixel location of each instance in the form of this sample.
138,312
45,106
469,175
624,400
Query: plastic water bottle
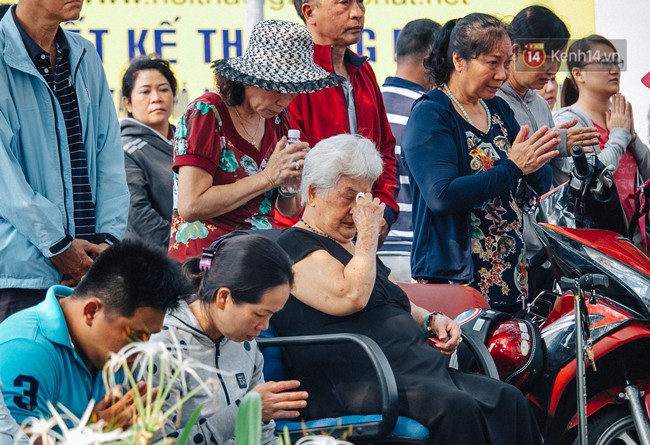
291,187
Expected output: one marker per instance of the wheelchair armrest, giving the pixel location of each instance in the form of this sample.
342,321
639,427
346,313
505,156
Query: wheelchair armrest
481,355
387,384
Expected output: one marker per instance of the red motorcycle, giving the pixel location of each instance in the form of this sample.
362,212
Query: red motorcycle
604,279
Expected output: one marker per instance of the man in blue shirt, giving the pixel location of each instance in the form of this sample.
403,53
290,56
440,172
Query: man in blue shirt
55,351
60,149
399,93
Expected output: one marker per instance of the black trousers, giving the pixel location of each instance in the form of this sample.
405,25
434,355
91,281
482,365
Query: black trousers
14,300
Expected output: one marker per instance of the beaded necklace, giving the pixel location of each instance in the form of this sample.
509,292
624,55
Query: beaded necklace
462,109
317,232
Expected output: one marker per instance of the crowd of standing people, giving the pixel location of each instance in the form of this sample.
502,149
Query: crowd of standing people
136,226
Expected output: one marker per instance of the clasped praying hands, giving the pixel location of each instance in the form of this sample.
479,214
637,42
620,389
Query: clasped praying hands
530,153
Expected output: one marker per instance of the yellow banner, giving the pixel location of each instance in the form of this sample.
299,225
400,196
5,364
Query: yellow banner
192,33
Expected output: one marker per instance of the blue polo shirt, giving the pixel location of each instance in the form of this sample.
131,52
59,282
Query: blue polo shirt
38,362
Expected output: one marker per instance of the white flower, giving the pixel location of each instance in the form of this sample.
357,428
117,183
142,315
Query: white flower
172,366
40,429
80,433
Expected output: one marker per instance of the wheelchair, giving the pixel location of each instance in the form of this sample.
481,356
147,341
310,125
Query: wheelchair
385,427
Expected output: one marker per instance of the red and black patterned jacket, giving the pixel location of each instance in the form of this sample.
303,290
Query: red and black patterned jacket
324,113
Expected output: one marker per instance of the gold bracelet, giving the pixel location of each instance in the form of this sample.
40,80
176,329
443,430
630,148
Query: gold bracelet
266,175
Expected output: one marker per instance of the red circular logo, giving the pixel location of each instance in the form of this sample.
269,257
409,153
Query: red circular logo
534,55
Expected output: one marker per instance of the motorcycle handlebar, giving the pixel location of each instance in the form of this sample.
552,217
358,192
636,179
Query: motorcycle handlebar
581,166
587,281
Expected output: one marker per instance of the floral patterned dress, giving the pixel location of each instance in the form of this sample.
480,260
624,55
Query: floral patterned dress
206,138
498,250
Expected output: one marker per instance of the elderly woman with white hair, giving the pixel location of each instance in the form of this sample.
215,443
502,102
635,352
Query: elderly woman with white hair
341,286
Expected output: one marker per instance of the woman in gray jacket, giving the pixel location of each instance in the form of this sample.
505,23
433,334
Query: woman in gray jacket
537,25
591,95
148,89
240,283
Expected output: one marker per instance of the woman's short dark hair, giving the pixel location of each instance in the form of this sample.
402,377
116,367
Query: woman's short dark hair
576,59
247,264
537,24
147,63
469,37
230,91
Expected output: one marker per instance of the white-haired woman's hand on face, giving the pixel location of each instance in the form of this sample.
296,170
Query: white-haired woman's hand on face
531,153
620,114
368,214
285,164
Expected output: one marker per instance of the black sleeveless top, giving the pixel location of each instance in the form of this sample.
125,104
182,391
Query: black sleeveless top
339,376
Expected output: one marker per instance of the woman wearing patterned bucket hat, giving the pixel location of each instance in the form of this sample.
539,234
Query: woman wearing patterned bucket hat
229,148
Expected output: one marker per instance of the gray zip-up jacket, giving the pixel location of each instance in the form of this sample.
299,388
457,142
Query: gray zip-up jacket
619,141
148,163
241,365
532,110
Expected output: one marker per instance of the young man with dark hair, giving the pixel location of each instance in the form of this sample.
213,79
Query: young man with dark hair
399,93
55,351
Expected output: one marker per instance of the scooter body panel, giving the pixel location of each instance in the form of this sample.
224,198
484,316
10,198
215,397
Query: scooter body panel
609,243
606,345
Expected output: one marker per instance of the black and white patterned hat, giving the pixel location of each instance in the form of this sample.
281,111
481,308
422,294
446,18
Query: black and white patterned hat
279,57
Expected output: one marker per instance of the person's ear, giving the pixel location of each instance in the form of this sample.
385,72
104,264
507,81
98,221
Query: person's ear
311,195
91,310
458,61
308,9
577,75
516,52
127,104
221,297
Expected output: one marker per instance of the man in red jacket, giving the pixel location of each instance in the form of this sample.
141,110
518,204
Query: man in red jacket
357,106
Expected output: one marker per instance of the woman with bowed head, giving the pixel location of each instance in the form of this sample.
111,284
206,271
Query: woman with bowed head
148,89
535,27
591,95
539,25
240,282
230,158
342,286
466,155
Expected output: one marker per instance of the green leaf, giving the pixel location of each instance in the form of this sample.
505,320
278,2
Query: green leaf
187,430
249,420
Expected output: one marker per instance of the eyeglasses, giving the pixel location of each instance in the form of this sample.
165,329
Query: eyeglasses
606,63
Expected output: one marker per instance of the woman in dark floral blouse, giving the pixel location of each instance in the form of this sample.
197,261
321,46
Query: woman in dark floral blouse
466,154
230,158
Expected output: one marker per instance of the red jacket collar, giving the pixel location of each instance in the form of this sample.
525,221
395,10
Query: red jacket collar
323,58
